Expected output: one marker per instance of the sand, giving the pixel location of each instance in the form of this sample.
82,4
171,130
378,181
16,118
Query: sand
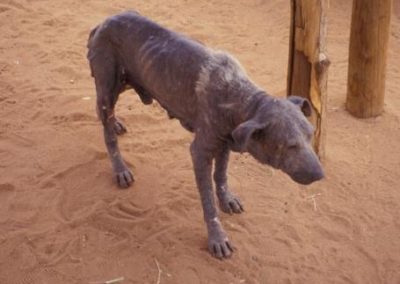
63,220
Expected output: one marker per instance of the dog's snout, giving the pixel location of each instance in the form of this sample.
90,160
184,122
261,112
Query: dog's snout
308,177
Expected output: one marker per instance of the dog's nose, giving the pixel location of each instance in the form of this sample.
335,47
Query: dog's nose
308,177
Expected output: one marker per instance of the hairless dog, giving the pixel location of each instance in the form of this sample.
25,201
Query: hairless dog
210,94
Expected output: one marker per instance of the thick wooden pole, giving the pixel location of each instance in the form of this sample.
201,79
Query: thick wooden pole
369,39
308,62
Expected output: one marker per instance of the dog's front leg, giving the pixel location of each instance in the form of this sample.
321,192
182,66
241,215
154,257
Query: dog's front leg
228,202
218,243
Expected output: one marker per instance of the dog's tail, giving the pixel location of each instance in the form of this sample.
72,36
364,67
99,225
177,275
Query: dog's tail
89,45
91,35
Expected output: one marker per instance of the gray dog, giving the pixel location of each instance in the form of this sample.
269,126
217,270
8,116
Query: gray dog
210,94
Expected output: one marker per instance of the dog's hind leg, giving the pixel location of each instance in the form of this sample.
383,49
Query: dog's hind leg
228,202
108,86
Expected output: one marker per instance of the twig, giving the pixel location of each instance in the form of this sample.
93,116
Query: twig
116,280
312,197
159,271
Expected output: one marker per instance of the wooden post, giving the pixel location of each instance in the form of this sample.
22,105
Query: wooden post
308,62
369,39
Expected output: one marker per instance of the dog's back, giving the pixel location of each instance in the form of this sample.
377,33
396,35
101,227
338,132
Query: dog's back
164,63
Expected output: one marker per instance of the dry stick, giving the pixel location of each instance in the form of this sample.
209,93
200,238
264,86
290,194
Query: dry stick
159,271
116,280
312,197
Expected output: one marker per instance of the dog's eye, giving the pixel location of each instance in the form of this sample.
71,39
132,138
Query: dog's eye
292,147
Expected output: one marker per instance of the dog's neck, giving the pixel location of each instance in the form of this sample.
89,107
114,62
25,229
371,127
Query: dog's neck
253,100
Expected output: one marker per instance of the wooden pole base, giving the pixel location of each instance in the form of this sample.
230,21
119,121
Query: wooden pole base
369,40
308,62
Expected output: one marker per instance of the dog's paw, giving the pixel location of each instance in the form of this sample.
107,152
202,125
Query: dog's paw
220,248
119,127
229,203
219,244
124,178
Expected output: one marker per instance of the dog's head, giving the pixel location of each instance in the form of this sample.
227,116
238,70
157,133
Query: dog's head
280,135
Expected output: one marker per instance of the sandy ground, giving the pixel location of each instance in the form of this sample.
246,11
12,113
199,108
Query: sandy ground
62,220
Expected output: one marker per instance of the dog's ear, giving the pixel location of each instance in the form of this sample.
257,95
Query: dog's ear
302,103
242,134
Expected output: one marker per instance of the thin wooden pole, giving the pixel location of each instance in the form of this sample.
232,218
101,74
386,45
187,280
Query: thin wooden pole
308,62
369,39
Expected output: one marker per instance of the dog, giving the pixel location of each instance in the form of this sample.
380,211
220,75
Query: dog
209,92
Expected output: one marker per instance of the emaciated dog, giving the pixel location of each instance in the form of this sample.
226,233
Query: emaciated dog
210,94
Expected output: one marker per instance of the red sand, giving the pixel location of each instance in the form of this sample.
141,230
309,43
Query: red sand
62,220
